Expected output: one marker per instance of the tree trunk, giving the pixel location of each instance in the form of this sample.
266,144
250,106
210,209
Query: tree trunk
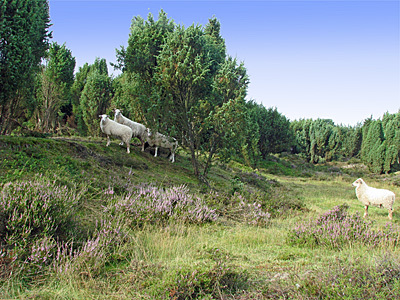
209,160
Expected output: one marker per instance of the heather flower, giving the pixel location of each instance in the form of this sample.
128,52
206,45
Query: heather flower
93,255
41,255
33,214
336,229
239,208
109,191
149,204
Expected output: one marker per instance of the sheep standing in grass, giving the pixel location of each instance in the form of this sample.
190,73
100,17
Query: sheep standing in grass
159,140
111,128
138,130
372,196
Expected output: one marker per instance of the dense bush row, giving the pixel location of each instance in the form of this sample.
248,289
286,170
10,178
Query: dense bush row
376,142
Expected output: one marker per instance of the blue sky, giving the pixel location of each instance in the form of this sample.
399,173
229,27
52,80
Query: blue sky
310,59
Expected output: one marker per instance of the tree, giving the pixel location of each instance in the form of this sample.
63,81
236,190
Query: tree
301,129
205,108
136,90
320,132
226,124
275,133
183,73
391,124
24,39
352,140
251,151
182,83
55,82
95,99
373,148
321,140
81,78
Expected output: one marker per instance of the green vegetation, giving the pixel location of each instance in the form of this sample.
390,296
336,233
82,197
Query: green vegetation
175,80
24,40
99,223
255,207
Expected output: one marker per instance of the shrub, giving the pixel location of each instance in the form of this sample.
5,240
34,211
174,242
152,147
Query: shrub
336,229
32,215
238,208
93,255
149,204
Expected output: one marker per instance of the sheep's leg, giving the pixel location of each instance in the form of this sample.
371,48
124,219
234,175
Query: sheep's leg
155,154
390,214
366,211
108,141
172,158
127,148
143,146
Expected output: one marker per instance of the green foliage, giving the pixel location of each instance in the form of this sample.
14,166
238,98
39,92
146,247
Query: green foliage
103,93
144,45
380,149
23,42
136,92
54,84
95,98
321,140
179,81
127,98
376,142
275,134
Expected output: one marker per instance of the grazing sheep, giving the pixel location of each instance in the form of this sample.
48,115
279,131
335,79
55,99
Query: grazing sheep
372,196
160,140
111,128
138,130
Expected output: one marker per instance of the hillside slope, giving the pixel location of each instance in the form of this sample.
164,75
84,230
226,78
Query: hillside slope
262,238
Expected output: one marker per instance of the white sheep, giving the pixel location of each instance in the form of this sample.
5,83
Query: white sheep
159,140
111,128
139,130
372,196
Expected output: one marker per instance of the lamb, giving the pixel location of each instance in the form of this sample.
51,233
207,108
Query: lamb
139,130
160,140
372,196
111,128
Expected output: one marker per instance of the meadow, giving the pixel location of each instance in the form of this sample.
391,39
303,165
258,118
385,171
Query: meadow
82,221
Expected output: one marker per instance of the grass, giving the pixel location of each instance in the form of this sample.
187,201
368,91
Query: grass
224,259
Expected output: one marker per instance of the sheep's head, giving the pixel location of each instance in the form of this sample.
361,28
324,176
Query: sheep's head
103,118
149,133
117,113
358,182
